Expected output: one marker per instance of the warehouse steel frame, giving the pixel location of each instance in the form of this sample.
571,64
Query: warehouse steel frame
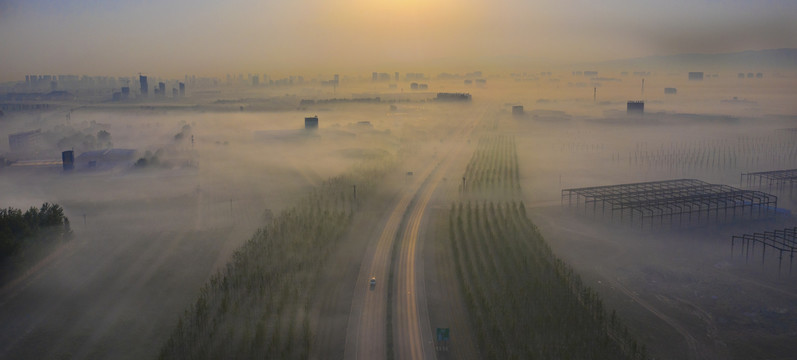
777,178
666,200
784,241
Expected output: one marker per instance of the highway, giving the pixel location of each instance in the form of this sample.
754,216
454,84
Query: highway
413,332
366,334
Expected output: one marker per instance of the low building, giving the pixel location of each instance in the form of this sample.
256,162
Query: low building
25,141
105,159
696,75
453,97
670,91
517,110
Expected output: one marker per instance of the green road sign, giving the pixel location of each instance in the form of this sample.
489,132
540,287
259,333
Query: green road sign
442,334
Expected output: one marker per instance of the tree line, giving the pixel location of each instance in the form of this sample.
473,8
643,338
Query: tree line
522,300
20,229
258,305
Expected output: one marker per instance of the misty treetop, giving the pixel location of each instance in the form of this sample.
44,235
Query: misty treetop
86,136
184,133
18,228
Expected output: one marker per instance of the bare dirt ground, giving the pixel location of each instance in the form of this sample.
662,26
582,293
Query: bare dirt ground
115,290
680,291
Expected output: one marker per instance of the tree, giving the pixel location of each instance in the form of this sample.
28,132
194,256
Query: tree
104,139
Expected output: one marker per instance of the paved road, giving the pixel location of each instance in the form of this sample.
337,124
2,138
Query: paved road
413,331
366,333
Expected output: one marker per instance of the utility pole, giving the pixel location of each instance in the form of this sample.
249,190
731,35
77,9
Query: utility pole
643,88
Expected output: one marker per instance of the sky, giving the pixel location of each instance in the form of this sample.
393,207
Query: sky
171,38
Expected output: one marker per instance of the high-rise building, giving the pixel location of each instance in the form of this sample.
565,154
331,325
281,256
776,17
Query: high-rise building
311,122
68,160
144,87
162,89
182,89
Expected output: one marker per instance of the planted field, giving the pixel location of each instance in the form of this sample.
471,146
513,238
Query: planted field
524,302
258,306
493,167
716,154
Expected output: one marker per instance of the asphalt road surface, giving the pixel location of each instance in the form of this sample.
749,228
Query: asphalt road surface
366,336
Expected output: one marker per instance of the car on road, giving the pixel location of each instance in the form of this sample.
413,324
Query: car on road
372,282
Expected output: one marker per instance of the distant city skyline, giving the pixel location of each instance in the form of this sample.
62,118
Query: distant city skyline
177,37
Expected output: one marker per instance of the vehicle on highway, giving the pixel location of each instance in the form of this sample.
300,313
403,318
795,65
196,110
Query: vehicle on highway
372,282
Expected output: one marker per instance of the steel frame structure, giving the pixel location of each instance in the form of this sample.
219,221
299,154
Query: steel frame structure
778,178
784,241
686,199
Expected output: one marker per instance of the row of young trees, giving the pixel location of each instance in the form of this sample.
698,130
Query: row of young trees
19,229
522,300
768,152
258,306
493,167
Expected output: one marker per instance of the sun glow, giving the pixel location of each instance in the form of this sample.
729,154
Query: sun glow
399,15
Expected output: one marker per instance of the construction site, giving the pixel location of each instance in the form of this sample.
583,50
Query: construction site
681,202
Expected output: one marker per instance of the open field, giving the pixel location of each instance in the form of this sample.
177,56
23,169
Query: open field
152,244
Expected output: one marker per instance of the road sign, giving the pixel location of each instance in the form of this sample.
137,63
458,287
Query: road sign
442,334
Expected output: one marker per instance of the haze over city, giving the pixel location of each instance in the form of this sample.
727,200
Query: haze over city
172,38
397,179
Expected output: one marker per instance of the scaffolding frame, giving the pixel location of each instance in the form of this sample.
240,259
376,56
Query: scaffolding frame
784,241
666,200
777,178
